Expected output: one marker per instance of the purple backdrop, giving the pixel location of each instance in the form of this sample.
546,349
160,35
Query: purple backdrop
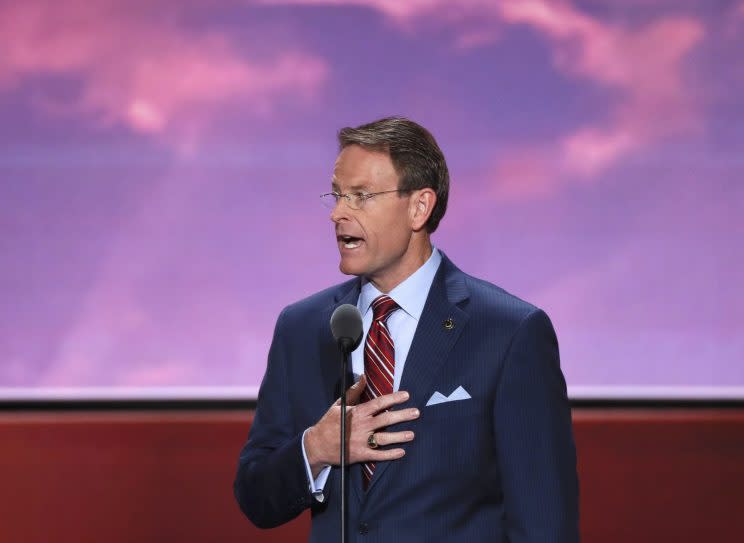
160,164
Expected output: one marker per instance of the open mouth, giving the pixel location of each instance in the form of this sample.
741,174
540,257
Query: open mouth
350,242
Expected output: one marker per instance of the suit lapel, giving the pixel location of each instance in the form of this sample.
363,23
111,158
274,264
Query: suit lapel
330,357
432,342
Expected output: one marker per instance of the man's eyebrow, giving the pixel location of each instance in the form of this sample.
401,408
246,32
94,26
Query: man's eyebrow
353,188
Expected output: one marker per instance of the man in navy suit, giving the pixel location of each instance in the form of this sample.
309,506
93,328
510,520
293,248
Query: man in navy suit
459,427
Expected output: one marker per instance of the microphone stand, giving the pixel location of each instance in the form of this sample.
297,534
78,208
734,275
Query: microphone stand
347,328
344,371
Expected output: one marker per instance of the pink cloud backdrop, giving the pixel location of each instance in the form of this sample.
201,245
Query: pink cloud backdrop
160,164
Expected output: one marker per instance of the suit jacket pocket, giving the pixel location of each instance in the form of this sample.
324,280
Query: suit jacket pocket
453,409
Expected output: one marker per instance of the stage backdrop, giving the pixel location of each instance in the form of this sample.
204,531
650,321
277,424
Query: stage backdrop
160,166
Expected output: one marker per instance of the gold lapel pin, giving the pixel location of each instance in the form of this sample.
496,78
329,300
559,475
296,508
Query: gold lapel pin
448,324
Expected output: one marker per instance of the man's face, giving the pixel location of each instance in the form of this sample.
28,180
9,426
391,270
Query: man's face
373,240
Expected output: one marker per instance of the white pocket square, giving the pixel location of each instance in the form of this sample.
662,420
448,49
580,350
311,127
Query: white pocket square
458,394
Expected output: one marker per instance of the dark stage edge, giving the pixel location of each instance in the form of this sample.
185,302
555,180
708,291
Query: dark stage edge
192,404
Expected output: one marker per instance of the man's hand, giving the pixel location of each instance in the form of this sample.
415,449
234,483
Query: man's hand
322,440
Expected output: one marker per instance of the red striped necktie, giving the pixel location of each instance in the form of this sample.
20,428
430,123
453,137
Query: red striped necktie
379,361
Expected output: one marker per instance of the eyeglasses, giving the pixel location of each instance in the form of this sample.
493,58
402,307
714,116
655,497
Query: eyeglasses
355,200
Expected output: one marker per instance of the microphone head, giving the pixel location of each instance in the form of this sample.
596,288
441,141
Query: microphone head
346,327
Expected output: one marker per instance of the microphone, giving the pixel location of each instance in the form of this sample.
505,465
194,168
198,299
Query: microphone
346,327
347,330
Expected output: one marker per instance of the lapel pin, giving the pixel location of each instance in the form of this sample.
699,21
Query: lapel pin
448,324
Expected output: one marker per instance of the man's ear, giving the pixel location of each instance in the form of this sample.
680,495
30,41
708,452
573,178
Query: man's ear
421,206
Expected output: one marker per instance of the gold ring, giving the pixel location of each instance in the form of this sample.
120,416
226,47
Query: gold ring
371,441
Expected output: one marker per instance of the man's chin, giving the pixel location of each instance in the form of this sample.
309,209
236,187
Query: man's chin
350,268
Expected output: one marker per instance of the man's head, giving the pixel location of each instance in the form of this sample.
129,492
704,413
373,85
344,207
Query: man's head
386,237
415,155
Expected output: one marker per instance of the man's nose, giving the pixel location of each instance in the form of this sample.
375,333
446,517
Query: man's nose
340,211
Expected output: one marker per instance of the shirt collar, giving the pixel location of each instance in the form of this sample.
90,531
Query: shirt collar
411,294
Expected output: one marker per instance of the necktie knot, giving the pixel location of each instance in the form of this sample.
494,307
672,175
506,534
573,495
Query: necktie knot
382,307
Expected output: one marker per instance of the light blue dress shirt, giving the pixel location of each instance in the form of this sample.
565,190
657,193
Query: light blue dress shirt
410,295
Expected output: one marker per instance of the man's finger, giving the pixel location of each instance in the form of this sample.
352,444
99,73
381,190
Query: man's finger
355,392
381,403
377,455
389,418
391,438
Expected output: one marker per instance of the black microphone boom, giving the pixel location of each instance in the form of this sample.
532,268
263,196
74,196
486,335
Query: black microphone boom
346,327
347,330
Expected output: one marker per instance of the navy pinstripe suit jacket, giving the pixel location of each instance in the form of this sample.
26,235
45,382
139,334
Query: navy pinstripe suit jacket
500,466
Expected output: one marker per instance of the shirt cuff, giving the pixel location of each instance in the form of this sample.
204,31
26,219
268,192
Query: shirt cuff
316,485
